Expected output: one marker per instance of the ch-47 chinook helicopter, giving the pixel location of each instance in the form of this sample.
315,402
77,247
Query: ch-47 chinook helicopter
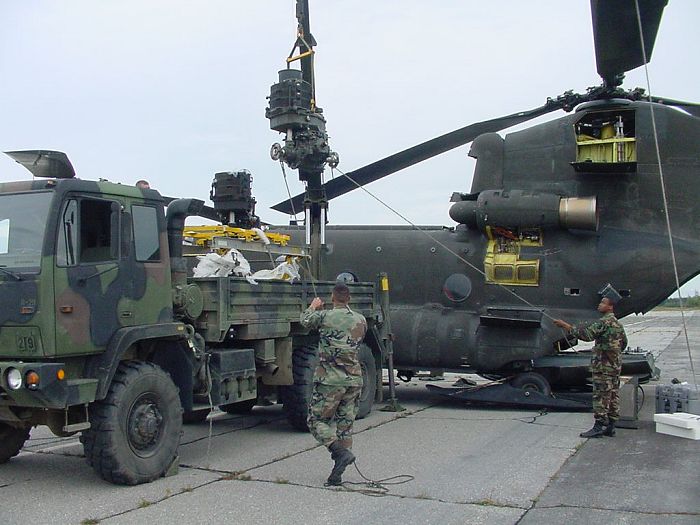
555,212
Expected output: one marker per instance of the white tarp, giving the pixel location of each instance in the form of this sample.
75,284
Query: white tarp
234,263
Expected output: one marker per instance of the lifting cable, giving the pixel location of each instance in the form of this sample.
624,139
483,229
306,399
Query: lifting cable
377,487
663,194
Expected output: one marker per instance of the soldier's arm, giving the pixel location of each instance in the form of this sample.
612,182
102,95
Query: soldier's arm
312,317
588,332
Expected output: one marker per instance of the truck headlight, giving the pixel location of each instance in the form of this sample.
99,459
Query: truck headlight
14,378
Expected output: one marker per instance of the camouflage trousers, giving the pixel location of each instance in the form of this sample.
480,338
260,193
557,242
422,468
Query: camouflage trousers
333,404
606,398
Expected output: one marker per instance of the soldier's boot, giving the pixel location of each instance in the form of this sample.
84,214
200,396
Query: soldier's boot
609,430
594,432
342,457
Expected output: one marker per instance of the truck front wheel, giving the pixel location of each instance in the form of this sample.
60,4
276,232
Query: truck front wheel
11,440
135,431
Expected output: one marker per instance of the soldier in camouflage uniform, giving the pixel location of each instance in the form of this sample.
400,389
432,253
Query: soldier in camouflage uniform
606,364
338,376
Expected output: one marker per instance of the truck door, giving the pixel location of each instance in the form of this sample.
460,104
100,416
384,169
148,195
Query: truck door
91,278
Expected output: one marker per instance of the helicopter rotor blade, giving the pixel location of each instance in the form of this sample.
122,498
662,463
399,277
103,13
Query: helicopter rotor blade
409,157
691,107
616,34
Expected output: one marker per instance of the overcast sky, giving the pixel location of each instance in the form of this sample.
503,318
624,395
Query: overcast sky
175,91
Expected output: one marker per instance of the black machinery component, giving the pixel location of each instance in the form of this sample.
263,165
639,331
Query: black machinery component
518,208
233,199
293,111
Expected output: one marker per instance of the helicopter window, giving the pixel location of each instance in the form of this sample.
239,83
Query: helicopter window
346,277
572,291
457,287
605,142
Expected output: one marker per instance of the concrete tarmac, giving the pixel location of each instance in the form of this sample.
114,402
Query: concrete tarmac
459,465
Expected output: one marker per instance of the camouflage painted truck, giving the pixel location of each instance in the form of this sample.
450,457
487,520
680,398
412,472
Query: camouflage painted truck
103,332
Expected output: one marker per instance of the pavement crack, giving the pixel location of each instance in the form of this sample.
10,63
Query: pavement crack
226,432
148,503
611,509
369,492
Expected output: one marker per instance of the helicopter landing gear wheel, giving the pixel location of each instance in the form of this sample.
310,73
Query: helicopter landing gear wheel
532,382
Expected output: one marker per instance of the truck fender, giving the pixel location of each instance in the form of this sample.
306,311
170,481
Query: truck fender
103,366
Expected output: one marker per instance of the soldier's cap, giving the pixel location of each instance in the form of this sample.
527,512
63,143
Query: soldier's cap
610,293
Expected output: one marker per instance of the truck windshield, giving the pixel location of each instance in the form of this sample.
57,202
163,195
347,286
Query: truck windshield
22,226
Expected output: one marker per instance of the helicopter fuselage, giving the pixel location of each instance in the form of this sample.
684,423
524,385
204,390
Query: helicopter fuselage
482,294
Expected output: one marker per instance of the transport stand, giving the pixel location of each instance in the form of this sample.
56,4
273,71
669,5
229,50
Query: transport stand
393,404
504,394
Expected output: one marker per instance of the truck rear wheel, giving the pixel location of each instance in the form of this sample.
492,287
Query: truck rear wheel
297,396
135,430
11,441
369,380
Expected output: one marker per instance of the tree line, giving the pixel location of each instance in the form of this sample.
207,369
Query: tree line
688,302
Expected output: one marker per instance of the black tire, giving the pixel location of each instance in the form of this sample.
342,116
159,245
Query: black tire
369,378
242,407
296,397
532,382
11,441
135,430
190,417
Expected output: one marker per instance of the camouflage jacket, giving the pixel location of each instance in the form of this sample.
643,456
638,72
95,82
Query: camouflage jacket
341,332
610,340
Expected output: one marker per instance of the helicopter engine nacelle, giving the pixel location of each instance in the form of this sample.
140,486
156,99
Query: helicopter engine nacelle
526,209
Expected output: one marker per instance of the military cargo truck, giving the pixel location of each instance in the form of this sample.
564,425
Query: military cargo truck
103,332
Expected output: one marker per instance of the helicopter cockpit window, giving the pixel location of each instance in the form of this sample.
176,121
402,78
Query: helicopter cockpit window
605,142
457,287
